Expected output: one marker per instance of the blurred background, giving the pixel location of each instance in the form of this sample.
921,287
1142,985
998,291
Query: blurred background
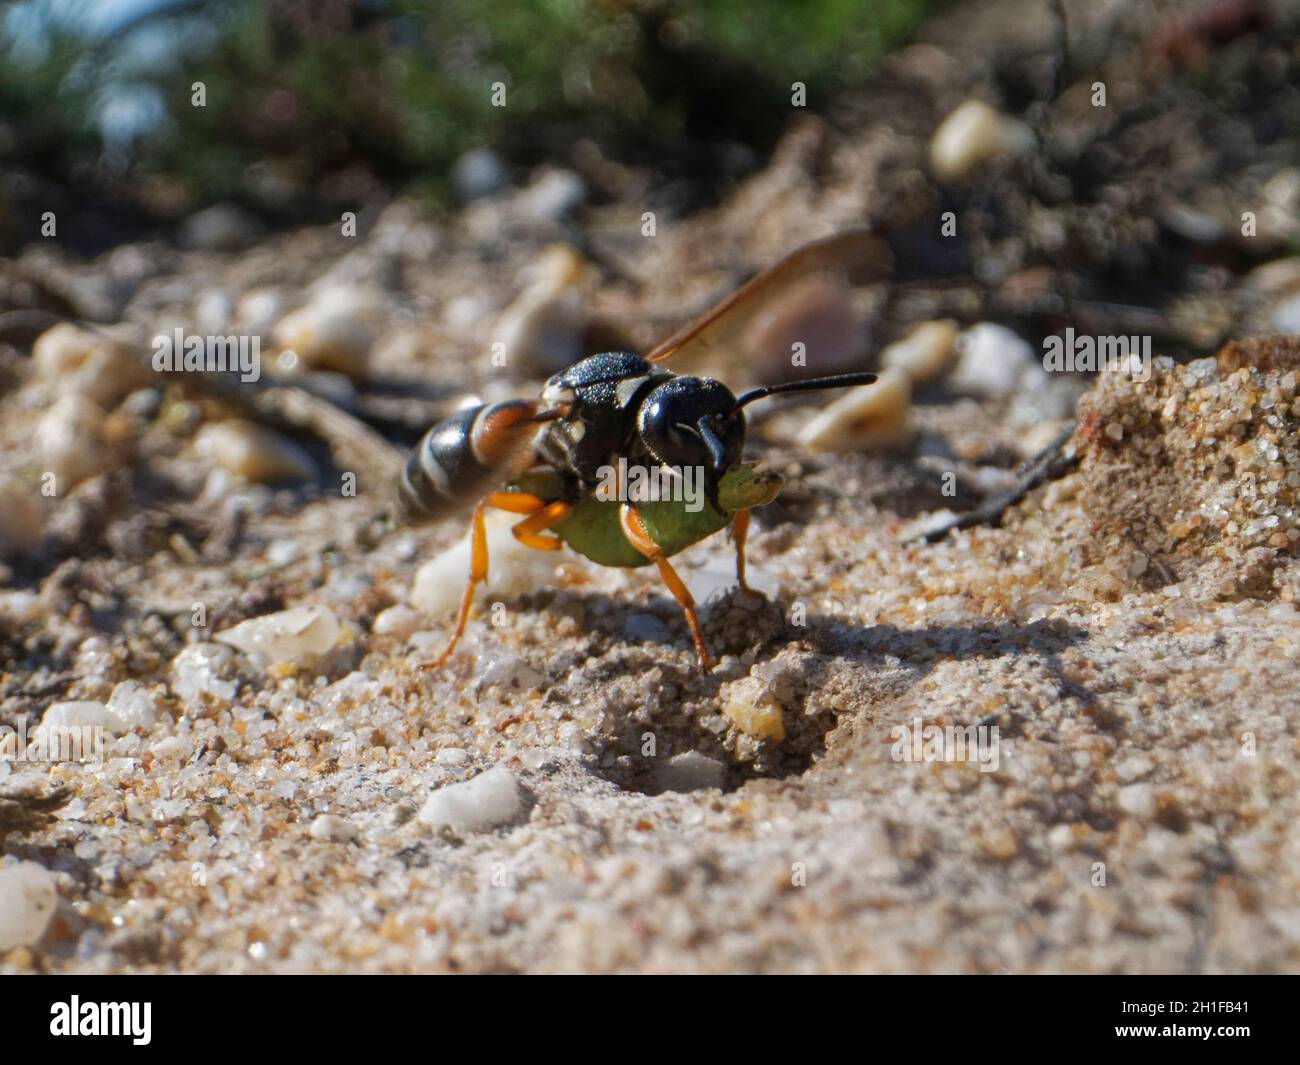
308,106
209,124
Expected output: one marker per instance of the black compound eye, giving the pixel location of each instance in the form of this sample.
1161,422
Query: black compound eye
673,418
668,437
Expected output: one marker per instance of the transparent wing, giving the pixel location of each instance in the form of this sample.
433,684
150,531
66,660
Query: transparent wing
857,256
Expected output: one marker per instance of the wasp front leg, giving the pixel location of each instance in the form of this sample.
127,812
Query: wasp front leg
541,516
739,533
635,531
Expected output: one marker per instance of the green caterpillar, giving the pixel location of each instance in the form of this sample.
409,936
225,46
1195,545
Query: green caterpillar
593,529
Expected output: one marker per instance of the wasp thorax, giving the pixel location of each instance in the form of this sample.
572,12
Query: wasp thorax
692,421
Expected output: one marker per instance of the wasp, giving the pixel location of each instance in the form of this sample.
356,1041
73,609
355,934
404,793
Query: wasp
548,459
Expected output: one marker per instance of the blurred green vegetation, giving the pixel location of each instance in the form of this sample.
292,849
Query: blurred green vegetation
308,102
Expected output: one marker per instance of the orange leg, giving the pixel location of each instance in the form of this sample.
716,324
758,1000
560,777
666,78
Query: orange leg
739,531
635,531
541,516
529,531
515,502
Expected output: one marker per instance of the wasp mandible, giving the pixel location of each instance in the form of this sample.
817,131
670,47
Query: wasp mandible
546,459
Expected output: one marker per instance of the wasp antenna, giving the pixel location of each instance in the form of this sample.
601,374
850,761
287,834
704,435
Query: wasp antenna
813,384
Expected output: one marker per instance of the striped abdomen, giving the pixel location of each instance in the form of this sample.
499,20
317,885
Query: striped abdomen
462,459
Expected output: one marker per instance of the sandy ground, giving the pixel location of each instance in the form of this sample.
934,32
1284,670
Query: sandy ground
1134,815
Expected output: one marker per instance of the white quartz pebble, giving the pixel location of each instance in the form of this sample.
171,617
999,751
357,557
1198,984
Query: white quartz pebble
489,799
975,134
27,901
869,416
204,668
993,361
287,637
925,352
253,452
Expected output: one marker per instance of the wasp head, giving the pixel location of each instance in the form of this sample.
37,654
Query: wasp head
693,421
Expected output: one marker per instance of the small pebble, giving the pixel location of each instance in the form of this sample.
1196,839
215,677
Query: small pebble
479,173
20,607
254,453
492,798
993,361
1061,838
399,621
1000,843
331,828
78,714
327,334
283,552
552,195
691,771
925,353
1286,315
132,705
750,705
143,404
543,329
1138,800
505,669
870,416
214,311
1199,227
1278,276
28,898
291,637
205,668
258,310
973,135
1134,768
221,227
85,363
74,442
